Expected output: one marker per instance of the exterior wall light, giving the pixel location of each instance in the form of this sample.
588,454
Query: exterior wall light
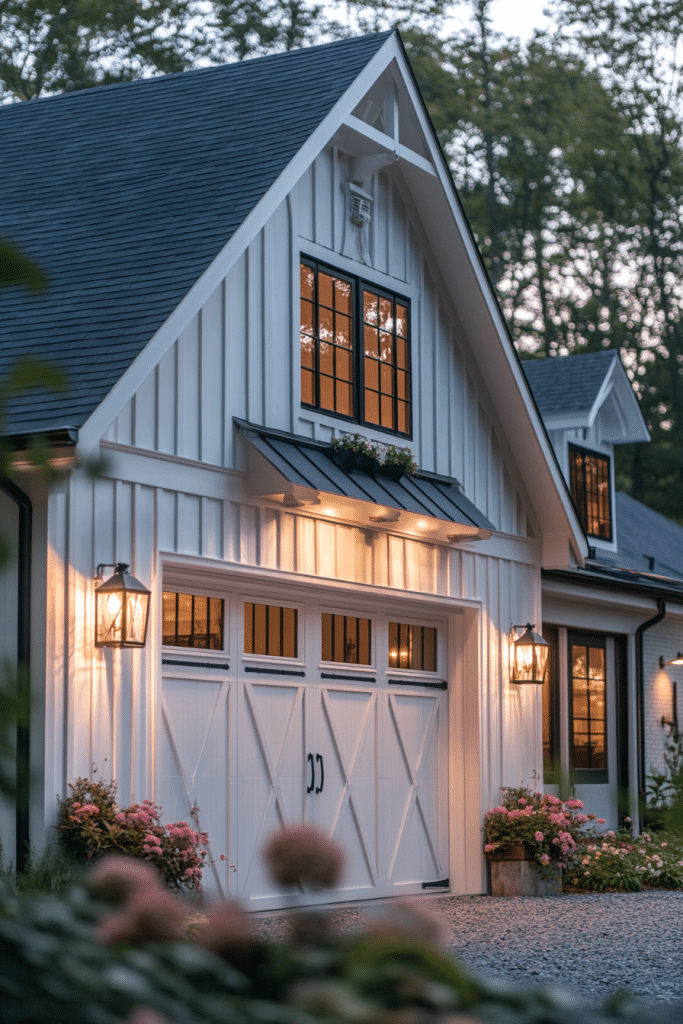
673,721
529,656
678,660
121,609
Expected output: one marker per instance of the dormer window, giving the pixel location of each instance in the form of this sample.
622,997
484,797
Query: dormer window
589,482
355,349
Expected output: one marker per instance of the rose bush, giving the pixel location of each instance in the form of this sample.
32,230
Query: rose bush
90,823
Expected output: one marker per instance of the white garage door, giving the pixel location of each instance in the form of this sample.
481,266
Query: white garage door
333,715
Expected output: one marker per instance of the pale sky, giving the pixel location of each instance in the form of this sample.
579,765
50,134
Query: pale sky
519,17
516,17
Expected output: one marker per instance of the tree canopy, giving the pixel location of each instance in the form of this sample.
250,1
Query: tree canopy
567,150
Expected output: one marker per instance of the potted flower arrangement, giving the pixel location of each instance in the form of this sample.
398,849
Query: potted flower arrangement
353,451
533,828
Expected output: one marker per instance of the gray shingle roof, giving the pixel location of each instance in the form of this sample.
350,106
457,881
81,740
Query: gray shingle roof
647,541
125,194
568,384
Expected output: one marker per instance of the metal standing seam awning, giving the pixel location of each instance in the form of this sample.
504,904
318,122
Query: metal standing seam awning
297,472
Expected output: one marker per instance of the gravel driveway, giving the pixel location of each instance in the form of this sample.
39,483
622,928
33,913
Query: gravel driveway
593,944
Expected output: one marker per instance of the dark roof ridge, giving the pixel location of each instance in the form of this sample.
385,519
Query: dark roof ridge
230,66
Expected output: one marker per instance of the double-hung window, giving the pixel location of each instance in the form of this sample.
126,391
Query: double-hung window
355,349
589,481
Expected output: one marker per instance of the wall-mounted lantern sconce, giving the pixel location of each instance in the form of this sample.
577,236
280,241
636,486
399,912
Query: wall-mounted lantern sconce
121,608
529,655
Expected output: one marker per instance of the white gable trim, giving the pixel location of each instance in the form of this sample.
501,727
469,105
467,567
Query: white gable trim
616,391
127,385
604,391
528,441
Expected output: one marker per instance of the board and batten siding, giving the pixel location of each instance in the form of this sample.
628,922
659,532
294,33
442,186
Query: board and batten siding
111,697
176,486
239,355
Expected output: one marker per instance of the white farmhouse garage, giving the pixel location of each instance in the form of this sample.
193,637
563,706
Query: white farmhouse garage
247,263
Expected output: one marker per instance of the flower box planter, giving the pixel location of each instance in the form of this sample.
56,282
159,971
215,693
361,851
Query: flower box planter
513,873
392,469
348,460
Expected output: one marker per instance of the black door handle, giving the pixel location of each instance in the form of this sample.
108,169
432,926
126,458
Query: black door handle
309,789
319,789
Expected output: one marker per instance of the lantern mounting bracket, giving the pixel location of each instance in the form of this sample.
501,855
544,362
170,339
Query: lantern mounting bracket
116,566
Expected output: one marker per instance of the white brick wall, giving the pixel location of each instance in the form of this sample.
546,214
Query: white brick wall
666,638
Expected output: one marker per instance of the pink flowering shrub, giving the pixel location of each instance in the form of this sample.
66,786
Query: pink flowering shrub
550,828
90,823
619,860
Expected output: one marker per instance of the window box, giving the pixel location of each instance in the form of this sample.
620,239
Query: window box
349,460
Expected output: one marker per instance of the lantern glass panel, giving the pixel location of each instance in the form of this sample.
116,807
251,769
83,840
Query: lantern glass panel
110,618
136,618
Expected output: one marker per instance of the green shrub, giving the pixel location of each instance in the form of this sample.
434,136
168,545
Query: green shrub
71,958
90,823
622,861
44,871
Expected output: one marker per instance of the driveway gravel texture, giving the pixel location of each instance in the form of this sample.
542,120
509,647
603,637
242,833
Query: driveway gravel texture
593,944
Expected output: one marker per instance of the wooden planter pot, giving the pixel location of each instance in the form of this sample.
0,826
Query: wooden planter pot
513,873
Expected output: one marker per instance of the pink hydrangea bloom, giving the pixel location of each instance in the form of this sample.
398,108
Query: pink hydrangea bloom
538,836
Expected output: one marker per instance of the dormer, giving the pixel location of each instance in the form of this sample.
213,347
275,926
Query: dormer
588,405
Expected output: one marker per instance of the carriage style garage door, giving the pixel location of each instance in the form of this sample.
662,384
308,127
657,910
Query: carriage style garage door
278,711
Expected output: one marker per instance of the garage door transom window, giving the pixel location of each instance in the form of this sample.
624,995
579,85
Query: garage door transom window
192,620
270,630
412,647
346,638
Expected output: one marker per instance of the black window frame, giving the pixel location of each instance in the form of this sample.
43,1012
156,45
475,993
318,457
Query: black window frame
275,621
192,635
358,285
550,696
583,776
580,501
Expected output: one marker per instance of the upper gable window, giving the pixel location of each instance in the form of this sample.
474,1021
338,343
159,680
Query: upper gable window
355,351
589,481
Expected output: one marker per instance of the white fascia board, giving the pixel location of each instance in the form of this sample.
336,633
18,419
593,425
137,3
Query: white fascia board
494,352
127,385
624,397
603,392
582,607
617,387
568,421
